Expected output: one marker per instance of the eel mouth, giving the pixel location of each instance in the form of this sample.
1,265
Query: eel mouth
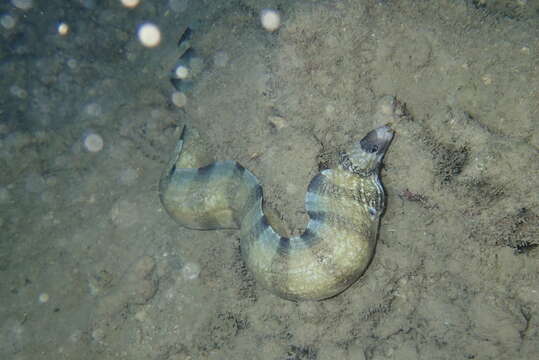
366,155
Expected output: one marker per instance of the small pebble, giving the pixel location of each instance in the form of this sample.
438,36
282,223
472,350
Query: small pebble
125,214
98,335
197,65
277,121
76,336
178,5
179,99
190,271
35,183
93,109
22,4
128,176
5,196
220,59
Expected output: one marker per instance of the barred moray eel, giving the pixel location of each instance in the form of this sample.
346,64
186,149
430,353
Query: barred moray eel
344,206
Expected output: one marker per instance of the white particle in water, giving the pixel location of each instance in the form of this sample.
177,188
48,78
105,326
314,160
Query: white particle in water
18,91
43,298
149,35
93,143
270,19
181,72
130,3
7,21
72,63
63,29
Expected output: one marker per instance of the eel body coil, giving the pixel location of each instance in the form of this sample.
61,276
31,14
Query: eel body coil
344,205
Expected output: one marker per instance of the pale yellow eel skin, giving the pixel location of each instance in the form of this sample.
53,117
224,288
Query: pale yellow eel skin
344,205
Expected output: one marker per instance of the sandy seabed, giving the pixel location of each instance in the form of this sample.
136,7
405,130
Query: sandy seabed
91,267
